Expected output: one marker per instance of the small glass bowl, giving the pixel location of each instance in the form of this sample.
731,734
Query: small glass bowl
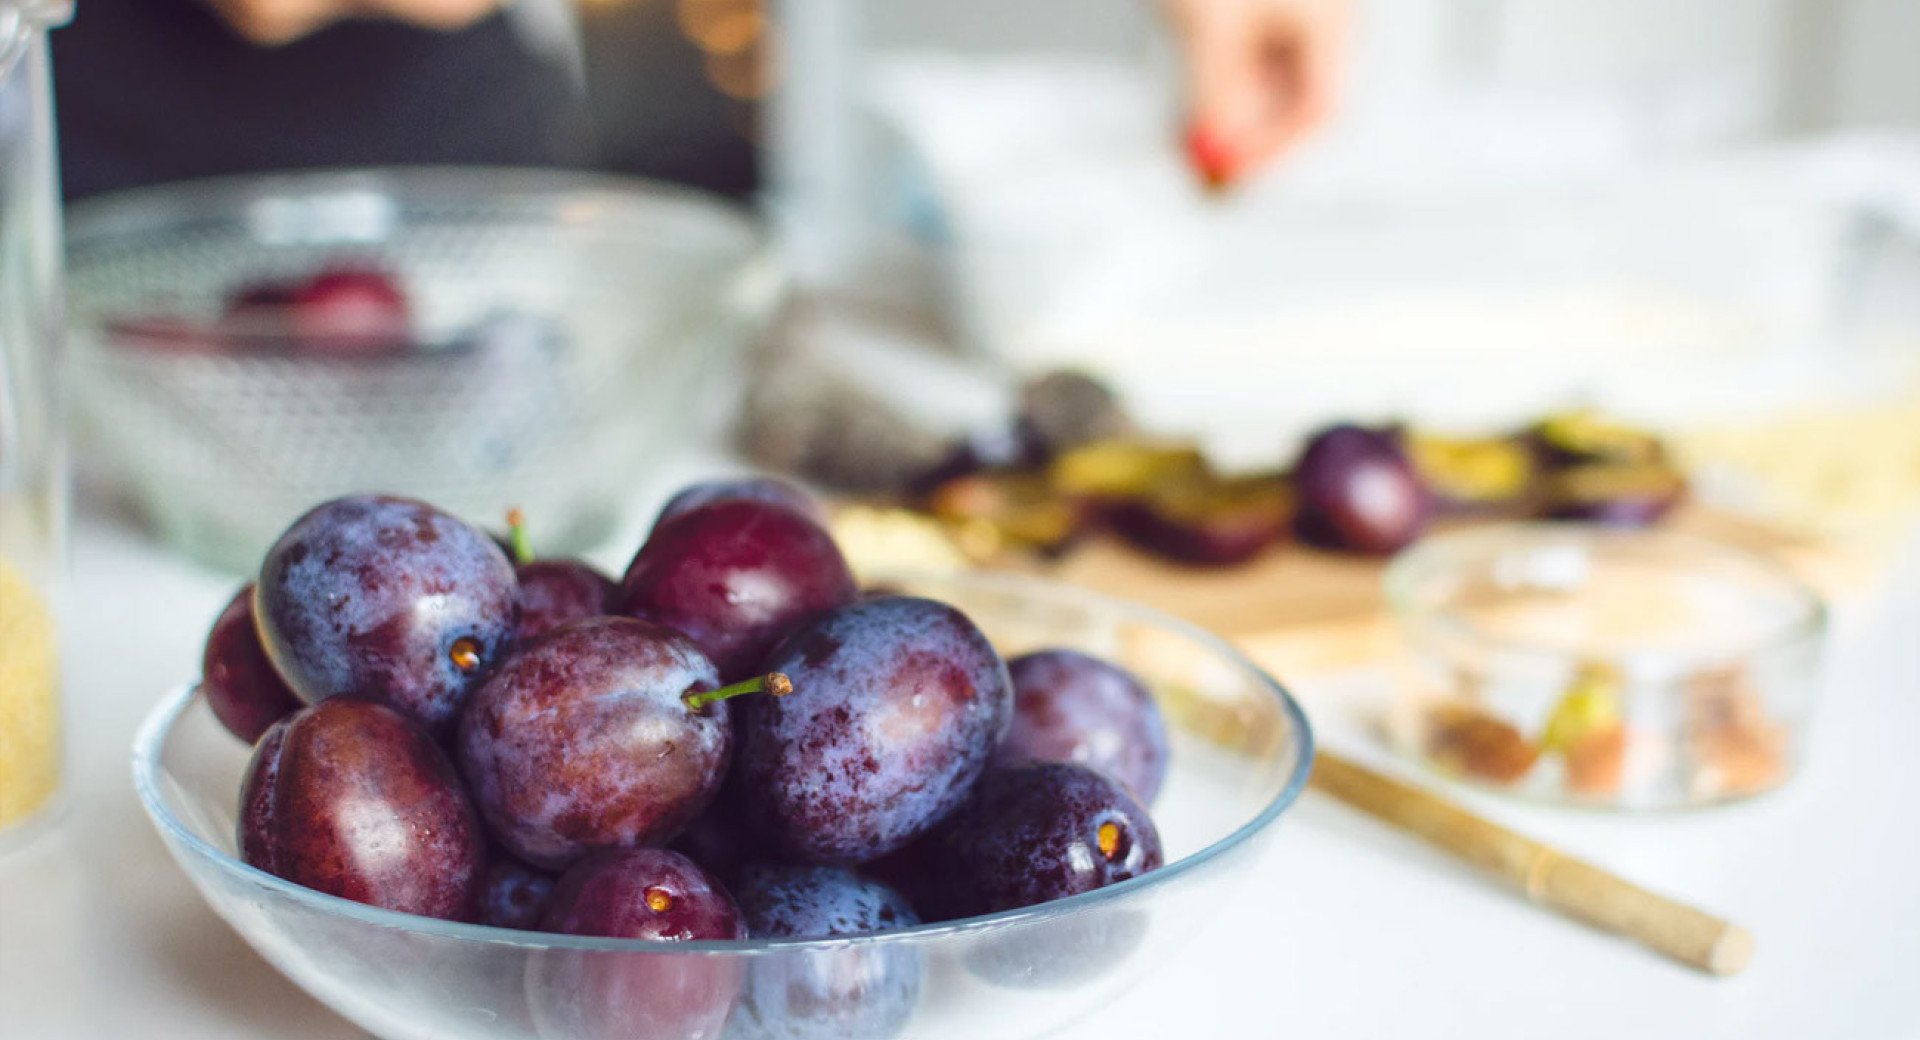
1600,666
1241,750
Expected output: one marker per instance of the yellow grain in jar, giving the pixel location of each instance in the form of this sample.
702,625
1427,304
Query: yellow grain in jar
29,700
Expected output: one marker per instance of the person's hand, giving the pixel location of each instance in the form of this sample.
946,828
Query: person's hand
1261,75
274,22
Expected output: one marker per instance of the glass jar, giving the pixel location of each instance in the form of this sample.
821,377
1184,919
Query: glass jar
33,494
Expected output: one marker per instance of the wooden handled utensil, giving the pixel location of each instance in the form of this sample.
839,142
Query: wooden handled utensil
1546,875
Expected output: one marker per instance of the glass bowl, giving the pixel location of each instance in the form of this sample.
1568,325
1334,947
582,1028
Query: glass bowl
1604,666
1241,750
561,327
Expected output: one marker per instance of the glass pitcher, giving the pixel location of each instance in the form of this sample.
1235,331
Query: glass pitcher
32,453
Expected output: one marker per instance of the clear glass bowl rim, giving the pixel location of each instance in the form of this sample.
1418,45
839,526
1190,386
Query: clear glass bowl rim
1456,550
158,725
95,221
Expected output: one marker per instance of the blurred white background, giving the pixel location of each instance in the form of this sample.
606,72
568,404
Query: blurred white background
1661,208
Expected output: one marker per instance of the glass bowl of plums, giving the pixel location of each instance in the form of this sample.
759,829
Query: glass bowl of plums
456,790
246,347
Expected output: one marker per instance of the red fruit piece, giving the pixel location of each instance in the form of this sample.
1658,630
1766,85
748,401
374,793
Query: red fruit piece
1212,158
351,312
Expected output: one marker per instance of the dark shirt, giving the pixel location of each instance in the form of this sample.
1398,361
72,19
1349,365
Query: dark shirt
160,90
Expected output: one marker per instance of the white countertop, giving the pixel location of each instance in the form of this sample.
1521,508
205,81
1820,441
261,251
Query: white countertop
1352,932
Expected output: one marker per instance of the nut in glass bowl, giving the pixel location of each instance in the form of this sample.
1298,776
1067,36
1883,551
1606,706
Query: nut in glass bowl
1599,666
557,328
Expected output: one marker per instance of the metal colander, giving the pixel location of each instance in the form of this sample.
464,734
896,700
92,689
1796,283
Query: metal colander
568,326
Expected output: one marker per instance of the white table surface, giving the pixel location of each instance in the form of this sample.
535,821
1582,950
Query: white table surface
1351,931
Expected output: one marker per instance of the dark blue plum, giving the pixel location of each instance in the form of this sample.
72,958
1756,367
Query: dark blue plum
583,741
555,592
720,839
1027,835
896,706
737,577
745,489
857,993
516,893
1073,707
793,901
386,599
649,894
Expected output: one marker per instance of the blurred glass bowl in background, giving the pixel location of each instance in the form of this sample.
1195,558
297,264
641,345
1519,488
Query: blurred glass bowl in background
1241,750
562,328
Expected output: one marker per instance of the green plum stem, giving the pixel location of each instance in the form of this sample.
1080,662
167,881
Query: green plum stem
517,537
775,684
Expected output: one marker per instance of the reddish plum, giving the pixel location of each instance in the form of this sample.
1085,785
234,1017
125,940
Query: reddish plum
350,311
554,592
350,798
595,738
896,706
1359,493
737,577
1072,707
746,489
241,687
642,894
386,599
649,894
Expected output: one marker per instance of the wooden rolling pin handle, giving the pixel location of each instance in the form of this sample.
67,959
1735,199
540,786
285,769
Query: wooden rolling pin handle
1545,874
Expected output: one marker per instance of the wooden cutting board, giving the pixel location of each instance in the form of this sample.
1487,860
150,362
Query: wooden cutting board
1299,610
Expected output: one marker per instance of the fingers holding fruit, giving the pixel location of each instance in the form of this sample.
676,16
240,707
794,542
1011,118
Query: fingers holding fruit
1261,74
272,23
